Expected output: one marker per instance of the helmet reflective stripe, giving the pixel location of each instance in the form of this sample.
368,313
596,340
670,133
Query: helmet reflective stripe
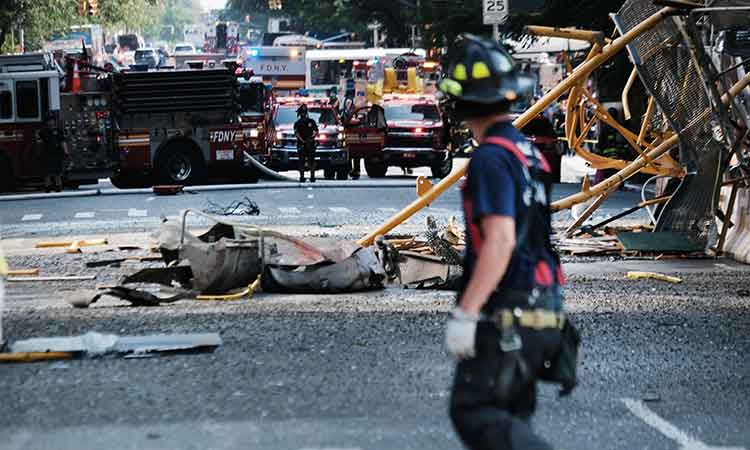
459,72
480,70
451,87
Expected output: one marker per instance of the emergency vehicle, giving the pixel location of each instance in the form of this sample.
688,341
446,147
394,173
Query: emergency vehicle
31,91
406,128
415,136
178,127
331,155
257,105
281,67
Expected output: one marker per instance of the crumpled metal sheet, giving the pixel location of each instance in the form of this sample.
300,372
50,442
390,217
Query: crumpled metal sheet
222,266
97,344
361,271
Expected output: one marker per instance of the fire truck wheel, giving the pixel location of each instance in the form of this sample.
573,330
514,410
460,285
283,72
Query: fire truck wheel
329,174
441,169
375,169
7,180
342,174
180,166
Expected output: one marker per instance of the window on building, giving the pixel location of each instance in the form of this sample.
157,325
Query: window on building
27,99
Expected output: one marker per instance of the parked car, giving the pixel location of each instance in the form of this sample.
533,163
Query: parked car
151,57
331,155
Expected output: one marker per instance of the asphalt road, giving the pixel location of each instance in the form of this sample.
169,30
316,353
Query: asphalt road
663,367
310,205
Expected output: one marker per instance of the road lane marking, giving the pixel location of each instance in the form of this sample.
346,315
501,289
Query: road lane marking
653,420
340,210
28,217
133,212
84,215
289,210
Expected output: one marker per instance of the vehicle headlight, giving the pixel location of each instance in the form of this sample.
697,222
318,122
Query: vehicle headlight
254,133
279,135
89,101
341,136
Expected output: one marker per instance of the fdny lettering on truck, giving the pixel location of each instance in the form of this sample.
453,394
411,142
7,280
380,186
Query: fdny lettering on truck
222,136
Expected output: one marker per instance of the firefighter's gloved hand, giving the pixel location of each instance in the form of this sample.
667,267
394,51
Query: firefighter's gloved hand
460,333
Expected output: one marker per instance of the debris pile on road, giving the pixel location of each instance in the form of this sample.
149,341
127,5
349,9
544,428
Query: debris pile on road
447,244
227,262
430,263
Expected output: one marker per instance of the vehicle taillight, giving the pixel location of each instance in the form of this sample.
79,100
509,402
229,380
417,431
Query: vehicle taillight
418,130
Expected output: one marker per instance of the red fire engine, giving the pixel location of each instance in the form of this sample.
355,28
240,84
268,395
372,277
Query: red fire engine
179,127
30,92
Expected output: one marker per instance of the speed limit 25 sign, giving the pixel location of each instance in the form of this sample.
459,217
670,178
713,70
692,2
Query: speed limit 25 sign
495,12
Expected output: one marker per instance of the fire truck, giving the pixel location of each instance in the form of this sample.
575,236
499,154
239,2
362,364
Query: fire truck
31,90
396,119
180,126
257,104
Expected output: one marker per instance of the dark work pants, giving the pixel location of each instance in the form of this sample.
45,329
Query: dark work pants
306,156
485,422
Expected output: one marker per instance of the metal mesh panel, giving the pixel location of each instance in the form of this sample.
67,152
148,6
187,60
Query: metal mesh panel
669,73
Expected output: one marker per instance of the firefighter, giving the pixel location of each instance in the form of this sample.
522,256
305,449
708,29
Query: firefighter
333,100
55,150
506,327
306,131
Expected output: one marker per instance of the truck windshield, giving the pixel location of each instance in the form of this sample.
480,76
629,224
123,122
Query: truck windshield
251,97
329,72
411,112
322,116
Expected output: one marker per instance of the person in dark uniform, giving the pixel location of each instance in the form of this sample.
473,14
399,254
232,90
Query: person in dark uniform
306,131
507,326
54,152
333,100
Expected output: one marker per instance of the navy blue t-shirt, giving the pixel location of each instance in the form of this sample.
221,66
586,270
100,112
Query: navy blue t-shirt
495,185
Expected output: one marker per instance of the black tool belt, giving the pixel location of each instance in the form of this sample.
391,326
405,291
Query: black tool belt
547,298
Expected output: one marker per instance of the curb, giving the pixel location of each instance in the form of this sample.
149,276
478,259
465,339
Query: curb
88,193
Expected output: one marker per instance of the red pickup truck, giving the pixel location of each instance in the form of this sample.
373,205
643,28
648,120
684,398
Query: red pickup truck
406,132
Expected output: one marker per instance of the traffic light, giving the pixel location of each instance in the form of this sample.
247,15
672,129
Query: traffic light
92,8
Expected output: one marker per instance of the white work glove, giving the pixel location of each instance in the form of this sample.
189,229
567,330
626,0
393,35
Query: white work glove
460,333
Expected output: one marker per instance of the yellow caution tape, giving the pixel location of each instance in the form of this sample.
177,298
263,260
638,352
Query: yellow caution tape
654,276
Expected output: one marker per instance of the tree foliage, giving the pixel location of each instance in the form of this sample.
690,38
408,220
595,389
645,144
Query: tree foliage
441,20
41,18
